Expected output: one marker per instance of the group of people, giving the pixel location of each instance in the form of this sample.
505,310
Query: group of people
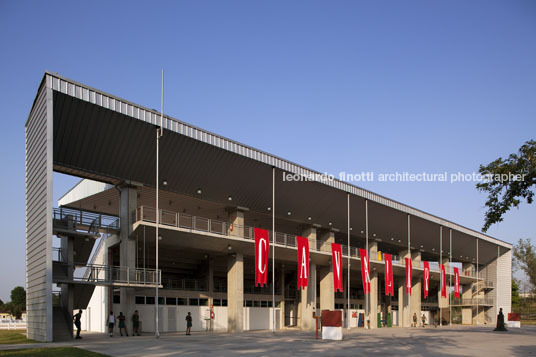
121,321
423,319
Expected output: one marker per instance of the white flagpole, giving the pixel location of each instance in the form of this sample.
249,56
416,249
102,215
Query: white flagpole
349,255
273,251
159,133
367,317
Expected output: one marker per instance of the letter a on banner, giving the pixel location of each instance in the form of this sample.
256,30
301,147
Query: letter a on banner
365,274
426,278
303,261
389,289
456,283
261,256
336,258
408,276
443,282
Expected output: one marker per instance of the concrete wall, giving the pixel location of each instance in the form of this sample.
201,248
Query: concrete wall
39,134
504,283
260,318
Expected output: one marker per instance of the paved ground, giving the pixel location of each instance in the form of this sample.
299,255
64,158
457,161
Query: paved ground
443,341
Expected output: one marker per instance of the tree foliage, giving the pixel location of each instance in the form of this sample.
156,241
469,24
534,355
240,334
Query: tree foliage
515,295
525,259
505,194
18,297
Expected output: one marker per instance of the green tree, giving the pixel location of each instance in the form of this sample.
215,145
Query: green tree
515,295
1,302
505,194
18,297
525,259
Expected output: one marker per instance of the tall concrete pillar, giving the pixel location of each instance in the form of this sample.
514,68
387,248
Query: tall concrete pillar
403,296
210,277
236,222
444,302
373,306
235,293
307,305
127,247
327,295
282,311
416,287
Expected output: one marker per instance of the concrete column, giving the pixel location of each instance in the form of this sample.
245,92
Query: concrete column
236,222
327,295
416,287
210,277
282,312
307,305
127,247
235,293
444,302
403,297
373,255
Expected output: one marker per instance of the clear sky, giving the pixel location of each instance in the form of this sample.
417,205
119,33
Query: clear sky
352,86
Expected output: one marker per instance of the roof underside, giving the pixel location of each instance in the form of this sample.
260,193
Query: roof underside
102,137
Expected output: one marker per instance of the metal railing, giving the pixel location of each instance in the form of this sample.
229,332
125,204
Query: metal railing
92,221
185,284
472,302
58,255
106,274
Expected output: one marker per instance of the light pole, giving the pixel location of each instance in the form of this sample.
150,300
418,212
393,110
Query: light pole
159,133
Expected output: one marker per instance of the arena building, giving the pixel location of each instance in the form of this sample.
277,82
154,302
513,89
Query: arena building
98,248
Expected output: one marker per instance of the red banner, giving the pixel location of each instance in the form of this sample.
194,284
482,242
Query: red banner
408,275
365,273
336,257
389,289
426,278
443,282
261,256
303,261
456,283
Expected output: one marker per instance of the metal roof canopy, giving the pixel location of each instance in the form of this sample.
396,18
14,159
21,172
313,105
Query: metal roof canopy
102,137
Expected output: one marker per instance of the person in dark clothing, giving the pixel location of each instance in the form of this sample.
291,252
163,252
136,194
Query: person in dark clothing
188,323
76,319
122,324
136,324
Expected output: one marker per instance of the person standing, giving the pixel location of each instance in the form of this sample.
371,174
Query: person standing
188,323
111,323
136,324
423,317
414,319
76,319
122,324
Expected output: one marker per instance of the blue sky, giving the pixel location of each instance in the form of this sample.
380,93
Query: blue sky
353,86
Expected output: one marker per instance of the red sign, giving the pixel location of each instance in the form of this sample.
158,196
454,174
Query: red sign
261,256
303,261
365,273
426,278
389,289
456,283
336,257
408,276
443,282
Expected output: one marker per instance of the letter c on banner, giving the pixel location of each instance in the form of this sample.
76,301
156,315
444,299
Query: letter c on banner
262,264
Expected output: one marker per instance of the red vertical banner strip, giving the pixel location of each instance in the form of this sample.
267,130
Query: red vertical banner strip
261,256
389,289
426,278
456,283
336,258
365,273
443,282
303,261
408,276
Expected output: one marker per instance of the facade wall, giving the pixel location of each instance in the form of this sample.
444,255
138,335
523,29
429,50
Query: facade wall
504,283
38,133
489,273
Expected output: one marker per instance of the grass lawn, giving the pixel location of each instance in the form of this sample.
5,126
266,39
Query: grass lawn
12,336
52,351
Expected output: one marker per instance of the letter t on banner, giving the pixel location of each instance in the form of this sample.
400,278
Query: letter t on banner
261,256
337,266
456,283
303,261
389,289
365,274
408,276
426,278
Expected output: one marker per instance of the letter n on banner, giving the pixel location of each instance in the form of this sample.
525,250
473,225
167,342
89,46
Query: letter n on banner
336,258
443,282
426,278
408,275
303,261
389,289
365,273
261,256
456,283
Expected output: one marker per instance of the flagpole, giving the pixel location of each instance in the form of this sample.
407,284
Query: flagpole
349,255
366,283
477,281
159,133
409,253
450,277
273,251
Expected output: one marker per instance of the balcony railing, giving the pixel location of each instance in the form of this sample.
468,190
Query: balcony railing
89,221
472,302
115,275
195,223
185,284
